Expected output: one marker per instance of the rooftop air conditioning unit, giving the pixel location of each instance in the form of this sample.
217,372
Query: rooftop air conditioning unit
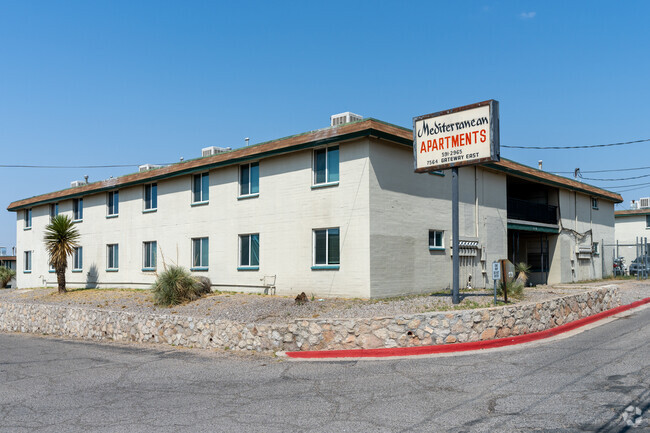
214,150
644,202
77,183
147,167
343,118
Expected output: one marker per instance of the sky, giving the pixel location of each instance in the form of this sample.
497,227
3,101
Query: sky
129,83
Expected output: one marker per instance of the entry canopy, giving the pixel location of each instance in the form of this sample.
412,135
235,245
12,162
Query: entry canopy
461,136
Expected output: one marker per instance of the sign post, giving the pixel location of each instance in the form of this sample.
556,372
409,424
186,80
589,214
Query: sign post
453,138
496,276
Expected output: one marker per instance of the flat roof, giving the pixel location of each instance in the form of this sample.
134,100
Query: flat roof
631,212
367,127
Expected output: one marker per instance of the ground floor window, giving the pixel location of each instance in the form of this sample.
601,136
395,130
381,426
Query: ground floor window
112,257
27,267
249,251
77,259
149,255
326,247
200,249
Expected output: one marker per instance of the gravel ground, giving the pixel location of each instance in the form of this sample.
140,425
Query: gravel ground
274,309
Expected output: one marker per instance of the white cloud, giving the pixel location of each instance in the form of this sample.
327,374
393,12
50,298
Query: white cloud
528,15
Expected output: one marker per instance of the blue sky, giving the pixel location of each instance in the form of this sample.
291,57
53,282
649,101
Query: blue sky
123,82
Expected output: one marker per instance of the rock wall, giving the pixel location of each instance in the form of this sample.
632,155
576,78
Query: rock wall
306,334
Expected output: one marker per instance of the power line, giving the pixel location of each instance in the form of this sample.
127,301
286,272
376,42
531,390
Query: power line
613,179
588,146
602,171
68,166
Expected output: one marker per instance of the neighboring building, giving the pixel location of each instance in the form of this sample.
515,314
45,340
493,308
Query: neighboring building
632,227
7,261
333,212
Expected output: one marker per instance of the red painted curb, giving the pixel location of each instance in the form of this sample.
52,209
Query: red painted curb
462,347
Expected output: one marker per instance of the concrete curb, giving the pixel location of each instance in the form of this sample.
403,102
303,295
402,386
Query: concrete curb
461,347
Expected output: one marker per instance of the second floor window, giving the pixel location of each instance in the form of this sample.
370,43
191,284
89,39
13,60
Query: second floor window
78,209
200,188
54,210
436,240
77,259
151,196
200,253
249,179
113,203
326,165
112,257
28,218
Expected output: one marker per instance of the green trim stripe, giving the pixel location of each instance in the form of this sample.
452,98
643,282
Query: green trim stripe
532,228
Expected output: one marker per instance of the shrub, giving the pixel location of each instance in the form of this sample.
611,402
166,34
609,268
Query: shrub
176,285
515,289
205,285
6,275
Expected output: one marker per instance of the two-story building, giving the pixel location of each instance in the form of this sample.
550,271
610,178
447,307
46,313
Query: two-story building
334,212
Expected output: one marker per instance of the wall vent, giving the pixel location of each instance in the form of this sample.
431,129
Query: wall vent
644,202
77,183
214,150
147,167
343,118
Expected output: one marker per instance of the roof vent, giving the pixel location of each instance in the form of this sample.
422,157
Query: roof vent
342,118
77,183
214,150
147,167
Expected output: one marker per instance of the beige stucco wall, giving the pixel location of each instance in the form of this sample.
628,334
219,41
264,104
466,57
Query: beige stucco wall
284,214
404,206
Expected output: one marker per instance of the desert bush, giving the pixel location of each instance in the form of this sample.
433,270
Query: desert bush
176,285
515,289
6,275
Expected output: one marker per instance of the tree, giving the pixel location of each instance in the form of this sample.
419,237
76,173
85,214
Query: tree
61,238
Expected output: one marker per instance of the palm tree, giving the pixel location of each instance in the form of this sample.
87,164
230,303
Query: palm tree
61,238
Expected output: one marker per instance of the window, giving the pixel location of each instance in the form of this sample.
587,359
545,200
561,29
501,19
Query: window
594,249
27,266
151,196
249,179
27,216
113,203
249,251
77,259
326,248
647,221
200,188
436,240
200,254
594,203
54,210
78,209
149,255
112,257
326,165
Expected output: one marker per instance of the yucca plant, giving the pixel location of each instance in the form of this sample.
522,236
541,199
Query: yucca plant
175,285
61,238
522,269
6,275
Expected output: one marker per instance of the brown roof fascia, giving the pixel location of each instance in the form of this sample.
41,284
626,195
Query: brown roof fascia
631,212
367,127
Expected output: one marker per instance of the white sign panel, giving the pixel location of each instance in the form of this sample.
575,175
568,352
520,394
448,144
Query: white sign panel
461,136
496,271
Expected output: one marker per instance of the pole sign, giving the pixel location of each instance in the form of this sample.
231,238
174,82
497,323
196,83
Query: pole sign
461,136
496,271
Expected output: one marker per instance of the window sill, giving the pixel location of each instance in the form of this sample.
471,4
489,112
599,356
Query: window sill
149,210
247,196
437,173
112,270
27,228
77,270
51,271
325,268
27,272
436,248
78,221
148,269
248,268
325,185
199,203
199,269
112,216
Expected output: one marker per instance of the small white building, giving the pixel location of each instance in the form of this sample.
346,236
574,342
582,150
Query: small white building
632,229
333,212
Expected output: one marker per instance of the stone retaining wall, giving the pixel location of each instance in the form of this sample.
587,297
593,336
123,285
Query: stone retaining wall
307,334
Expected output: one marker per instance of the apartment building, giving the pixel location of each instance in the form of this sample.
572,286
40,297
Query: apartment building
333,212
